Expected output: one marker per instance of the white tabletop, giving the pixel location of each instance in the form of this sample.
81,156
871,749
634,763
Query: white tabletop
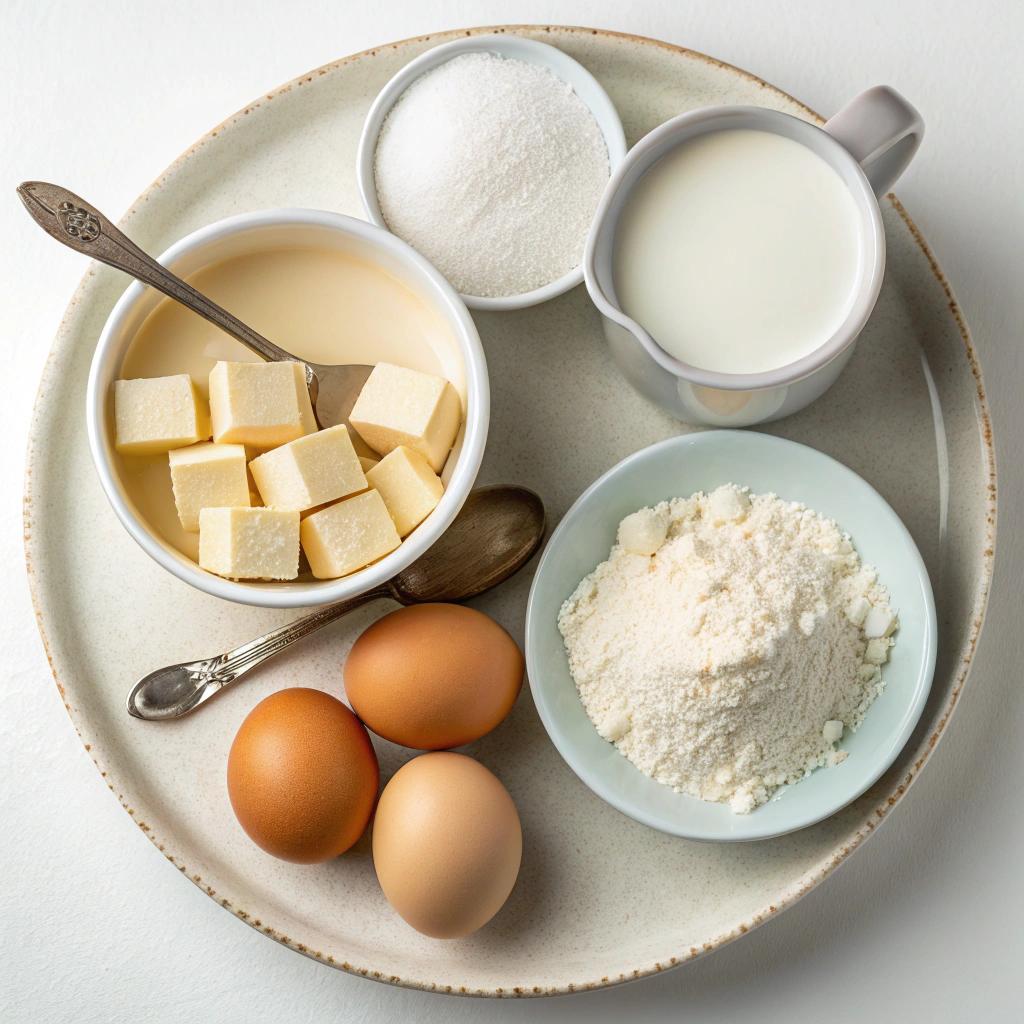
924,921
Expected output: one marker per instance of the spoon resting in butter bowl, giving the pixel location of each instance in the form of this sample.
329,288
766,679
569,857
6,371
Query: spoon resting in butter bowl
333,389
494,535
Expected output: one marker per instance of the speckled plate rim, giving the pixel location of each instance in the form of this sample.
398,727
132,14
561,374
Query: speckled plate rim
802,885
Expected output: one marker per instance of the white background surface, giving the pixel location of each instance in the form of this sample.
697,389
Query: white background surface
924,922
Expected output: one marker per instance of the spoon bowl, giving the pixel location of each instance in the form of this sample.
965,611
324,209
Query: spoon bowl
493,537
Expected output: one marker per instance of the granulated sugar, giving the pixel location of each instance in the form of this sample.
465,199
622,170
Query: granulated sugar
492,168
726,642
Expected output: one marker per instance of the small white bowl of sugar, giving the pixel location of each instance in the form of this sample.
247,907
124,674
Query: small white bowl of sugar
489,156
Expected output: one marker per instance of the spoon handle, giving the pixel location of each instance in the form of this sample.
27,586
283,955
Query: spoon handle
71,220
177,689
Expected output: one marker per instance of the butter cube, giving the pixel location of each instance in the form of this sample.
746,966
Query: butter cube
405,407
348,535
254,492
155,414
313,470
207,475
260,404
409,487
249,543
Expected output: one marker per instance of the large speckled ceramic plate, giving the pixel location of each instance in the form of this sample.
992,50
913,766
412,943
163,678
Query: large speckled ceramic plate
600,898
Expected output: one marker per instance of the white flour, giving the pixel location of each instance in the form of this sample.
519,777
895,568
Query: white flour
492,168
726,641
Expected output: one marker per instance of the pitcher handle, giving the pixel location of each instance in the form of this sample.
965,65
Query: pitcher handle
882,132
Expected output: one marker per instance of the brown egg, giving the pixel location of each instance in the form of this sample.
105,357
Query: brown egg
446,844
302,776
433,676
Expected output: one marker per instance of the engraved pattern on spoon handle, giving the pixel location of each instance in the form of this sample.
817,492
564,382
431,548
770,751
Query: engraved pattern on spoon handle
175,690
217,672
72,221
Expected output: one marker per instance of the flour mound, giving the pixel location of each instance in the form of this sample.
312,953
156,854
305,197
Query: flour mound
722,664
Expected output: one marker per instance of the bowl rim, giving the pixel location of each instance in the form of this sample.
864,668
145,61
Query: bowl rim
531,50
707,120
564,744
299,595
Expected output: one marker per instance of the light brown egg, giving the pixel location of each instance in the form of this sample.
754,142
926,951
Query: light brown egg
446,844
433,676
302,776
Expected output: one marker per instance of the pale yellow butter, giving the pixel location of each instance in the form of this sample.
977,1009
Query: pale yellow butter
260,404
409,487
249,543
398,406
348,535
156,414
310,471
254,492
207,475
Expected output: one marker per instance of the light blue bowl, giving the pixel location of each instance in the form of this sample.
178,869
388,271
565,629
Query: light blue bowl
702,462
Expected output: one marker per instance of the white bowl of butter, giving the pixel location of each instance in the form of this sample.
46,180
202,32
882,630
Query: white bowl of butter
326,287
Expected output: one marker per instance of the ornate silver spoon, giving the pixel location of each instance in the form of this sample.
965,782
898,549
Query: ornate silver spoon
494,535
333,390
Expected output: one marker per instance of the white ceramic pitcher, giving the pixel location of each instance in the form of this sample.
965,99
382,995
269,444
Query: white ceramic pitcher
869,143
